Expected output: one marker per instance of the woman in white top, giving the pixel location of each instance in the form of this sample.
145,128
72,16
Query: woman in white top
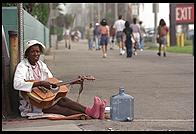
137,35
32,68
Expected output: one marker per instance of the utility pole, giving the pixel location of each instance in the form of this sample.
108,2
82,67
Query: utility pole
155,11
20,30
98,12
92,13
134,9
116,11
83,15
126,10
104,10
172,16
49,23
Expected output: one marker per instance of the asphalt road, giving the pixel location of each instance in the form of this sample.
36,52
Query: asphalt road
162,86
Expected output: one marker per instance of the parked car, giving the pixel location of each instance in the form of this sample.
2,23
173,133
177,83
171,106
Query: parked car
190,34
150,33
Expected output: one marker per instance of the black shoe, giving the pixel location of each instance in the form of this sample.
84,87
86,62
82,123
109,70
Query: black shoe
159,54
164,54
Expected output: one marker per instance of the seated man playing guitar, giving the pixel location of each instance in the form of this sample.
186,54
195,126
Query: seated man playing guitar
32,73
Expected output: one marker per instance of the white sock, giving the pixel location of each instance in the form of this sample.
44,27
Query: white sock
121,50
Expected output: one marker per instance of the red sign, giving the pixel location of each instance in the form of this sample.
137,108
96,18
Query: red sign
184,13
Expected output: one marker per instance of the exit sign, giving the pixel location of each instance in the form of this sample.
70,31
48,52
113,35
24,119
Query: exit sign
184,13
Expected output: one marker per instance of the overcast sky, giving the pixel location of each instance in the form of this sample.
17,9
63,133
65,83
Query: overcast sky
147,15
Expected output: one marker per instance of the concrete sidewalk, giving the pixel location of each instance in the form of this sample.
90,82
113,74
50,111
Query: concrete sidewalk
163,88
40,125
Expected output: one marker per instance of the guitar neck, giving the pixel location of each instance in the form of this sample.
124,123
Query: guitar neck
66,83
75,81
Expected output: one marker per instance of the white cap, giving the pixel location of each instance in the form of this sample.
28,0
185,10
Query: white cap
96,24
34,42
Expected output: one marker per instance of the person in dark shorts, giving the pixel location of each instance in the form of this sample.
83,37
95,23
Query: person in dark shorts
104,31
119,25
162,37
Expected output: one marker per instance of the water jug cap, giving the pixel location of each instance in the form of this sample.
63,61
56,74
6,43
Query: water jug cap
128,119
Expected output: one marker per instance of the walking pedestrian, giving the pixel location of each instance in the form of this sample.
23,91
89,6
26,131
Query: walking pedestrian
97,36
112,37
127,38
89,36
77,35
104,33
119,25
32,68
143,31
162,31
67,37
137,33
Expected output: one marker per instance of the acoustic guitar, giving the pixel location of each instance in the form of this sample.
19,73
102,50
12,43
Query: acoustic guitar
42,97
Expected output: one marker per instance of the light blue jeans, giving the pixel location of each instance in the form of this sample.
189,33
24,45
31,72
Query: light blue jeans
141,45
90,43
97,46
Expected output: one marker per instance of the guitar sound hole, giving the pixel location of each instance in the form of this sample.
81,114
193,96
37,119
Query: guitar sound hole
54,86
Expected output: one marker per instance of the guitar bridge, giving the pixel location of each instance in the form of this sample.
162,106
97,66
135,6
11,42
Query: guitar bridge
43,89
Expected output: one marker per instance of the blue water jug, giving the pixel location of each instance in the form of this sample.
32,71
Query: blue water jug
122,106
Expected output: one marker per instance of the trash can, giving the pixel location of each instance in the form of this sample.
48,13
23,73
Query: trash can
182,39
178,39
168,40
